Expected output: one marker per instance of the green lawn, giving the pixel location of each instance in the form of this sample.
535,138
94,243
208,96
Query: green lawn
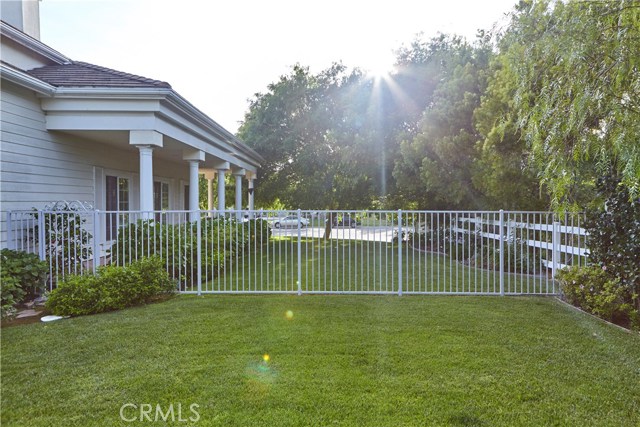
361,266
340,360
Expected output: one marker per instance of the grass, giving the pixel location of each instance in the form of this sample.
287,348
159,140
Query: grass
340,360
362,266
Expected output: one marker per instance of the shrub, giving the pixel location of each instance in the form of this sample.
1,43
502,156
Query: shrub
76,295
614,234
176,244
477,251
258,232
518,257
67,242
595,291
23,277
153,276
112,288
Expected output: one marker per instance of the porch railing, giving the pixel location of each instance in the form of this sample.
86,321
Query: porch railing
379,252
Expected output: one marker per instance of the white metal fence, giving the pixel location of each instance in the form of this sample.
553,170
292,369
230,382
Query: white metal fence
380,252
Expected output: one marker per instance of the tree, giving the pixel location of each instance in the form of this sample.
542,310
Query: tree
578,93
435,166
502,171
289,126
315,134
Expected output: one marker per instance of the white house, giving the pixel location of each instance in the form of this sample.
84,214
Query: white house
77,131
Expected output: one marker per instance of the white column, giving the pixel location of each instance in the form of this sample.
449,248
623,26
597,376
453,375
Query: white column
221,189
146,180
194,157
210,205
238,196
146,141
194,190
251,200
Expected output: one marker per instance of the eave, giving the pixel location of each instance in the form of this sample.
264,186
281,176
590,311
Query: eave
33,45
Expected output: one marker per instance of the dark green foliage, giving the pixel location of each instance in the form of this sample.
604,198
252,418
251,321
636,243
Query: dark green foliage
112,288
434,168
176,245
476,251
596,291
614,234
306,129
574,65
258,232
519,258
501,171
67,241
23,277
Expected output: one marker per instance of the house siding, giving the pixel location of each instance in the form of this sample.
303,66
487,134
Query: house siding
39,167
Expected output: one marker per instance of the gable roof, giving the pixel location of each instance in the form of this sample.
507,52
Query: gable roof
83,74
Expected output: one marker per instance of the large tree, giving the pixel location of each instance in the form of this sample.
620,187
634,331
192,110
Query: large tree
502,171
434,169
577,99
323,138
291,127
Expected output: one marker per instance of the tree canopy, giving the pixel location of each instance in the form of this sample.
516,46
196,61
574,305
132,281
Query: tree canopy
576,72
521,118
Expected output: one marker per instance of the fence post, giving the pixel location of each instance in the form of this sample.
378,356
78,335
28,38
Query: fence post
199,249
555,256
400,252
41,239
10,243
501,252
96,238
299,253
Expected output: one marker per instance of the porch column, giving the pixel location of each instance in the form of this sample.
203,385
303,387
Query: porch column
251,178
146,178
221,190
194,190
146,141
221,167
194,157
210,205
239,174
251,200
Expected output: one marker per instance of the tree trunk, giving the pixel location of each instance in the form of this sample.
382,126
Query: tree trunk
328,226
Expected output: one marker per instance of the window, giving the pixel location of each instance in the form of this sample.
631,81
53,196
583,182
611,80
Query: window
186,197
160,197
117,195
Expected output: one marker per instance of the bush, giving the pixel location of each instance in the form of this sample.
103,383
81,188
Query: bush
176,245
23,277
67,242
112,288
258,232
595,291
518,257
477,251
614,234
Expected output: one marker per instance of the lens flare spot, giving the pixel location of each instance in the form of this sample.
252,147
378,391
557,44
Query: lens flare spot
289,314
259,378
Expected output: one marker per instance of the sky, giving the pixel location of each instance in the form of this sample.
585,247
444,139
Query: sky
219,54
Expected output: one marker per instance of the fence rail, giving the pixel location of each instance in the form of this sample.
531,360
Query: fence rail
380,252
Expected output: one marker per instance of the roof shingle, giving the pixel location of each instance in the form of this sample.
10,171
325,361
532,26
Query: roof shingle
82,74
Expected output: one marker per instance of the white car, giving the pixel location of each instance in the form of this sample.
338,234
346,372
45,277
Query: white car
290,221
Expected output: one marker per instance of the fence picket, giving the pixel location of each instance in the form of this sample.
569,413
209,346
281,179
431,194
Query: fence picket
486,252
